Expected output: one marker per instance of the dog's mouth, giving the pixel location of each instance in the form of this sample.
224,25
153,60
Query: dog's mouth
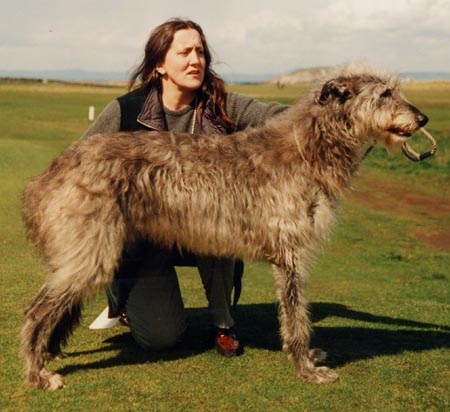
398,138
399,132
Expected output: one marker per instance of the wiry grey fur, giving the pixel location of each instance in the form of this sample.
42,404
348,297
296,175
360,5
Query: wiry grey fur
266,193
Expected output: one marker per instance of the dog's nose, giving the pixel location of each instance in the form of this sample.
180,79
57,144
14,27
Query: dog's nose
422,119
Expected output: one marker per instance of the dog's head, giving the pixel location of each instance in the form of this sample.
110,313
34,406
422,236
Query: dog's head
373,106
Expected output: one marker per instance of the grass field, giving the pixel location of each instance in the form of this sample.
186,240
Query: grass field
380,292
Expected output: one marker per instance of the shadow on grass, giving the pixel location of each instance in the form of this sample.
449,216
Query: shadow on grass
258,328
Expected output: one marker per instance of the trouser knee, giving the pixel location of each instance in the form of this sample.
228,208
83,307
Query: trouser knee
158,338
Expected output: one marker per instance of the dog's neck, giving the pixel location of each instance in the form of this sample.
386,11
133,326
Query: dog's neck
333,157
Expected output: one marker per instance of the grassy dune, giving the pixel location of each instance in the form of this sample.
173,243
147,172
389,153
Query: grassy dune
380,291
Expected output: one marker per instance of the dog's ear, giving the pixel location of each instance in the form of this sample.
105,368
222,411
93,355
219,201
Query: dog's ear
335,89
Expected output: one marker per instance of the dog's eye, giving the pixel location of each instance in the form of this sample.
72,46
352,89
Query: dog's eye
386,93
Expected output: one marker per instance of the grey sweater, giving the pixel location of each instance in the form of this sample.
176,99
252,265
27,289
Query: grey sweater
243,110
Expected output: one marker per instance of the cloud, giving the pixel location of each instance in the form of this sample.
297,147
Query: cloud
399,35
255,36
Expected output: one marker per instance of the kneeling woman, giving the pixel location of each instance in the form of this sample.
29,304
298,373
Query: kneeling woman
175,88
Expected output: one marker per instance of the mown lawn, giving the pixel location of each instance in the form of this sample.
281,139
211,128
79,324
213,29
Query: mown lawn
380,291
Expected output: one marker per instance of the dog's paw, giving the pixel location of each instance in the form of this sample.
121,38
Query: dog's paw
320,374
49,380
55,382
317,355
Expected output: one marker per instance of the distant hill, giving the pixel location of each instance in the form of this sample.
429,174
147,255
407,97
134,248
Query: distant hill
107,77
426,75
301,76
306,75
66,75
316,73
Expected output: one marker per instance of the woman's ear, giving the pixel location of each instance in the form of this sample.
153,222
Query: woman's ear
161,70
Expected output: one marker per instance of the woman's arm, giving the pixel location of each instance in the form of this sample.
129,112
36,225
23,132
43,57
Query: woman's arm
246,111
108,121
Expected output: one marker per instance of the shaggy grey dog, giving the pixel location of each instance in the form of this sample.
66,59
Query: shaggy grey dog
264,193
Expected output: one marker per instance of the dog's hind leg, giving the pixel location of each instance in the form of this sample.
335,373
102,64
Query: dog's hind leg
295,325
80,266
63,329
52,314
39,317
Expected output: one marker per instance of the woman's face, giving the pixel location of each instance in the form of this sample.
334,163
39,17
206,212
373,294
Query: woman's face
184,64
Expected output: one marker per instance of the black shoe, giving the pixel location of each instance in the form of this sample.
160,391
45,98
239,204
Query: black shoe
227,343
124,319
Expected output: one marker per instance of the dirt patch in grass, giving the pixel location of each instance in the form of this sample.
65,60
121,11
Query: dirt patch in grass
393,198
434,238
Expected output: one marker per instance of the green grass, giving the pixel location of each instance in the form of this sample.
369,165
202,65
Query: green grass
379,292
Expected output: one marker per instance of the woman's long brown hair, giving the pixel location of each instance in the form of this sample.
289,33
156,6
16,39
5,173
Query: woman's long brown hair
158,44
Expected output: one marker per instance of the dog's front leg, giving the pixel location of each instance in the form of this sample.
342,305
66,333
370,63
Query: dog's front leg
295,325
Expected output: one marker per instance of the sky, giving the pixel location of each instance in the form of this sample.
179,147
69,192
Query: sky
246,36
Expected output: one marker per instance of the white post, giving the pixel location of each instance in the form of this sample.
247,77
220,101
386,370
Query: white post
91,113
